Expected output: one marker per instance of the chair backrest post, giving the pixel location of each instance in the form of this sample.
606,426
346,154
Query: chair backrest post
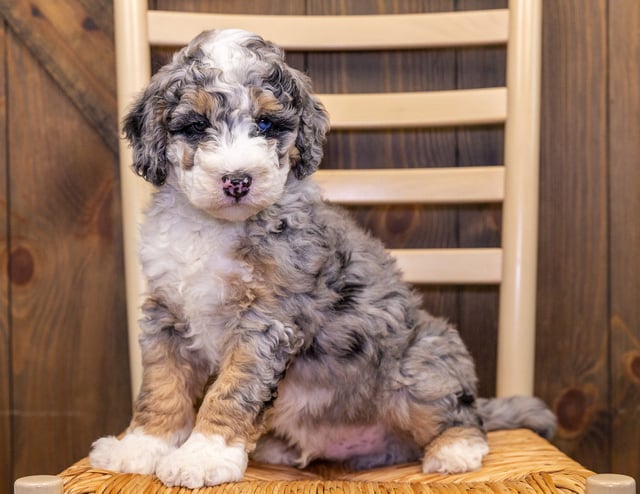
516,327
133,70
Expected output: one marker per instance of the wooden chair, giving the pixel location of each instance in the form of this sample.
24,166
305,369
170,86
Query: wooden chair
519,460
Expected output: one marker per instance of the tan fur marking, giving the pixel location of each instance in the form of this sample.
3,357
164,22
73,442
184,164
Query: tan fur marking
423,422
187,158
200,101
265,103
169,390
223,411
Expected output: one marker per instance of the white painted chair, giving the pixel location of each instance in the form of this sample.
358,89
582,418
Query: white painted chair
514,185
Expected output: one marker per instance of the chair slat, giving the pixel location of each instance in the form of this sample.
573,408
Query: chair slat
474,184
450,266
417,109
360,32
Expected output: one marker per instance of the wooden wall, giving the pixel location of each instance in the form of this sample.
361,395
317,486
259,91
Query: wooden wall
63,349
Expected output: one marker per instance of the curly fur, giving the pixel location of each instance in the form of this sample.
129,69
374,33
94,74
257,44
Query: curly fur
268,309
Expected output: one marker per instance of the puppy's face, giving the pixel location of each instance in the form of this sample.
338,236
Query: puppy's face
227,122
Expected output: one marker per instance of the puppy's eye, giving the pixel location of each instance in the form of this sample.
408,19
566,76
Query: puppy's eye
265,125
196,128
192,128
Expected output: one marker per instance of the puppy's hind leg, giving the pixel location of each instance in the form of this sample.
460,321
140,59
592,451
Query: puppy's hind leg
274,450
164,410
452,440
436,401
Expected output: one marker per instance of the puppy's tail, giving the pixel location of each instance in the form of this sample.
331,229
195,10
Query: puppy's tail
517,412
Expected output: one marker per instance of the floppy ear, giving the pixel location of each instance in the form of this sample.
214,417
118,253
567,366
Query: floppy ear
314,125
145,128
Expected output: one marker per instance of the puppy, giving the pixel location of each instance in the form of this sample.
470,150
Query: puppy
274,326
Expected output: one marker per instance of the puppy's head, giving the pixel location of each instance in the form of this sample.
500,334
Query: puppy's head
227,122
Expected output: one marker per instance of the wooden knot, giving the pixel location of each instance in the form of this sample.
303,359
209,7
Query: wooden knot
571,410
88,24
400,220
21,266
632,366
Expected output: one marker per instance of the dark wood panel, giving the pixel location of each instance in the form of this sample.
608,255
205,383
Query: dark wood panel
624,149
69,43
69,344
572,343
5,331
231,6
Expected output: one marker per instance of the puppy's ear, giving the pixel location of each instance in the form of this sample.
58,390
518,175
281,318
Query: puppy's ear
145,128
314,125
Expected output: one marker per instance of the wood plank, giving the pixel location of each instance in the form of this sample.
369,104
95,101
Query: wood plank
69,345
358,32
75,52
572,344
624,197
450,266
253,7
472,184
6,468
416,109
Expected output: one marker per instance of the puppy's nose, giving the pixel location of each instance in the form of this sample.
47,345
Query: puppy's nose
236,186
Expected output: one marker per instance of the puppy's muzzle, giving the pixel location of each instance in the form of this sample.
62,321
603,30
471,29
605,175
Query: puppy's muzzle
236,186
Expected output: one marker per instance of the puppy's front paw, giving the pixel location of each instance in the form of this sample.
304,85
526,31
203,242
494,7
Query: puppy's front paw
203,460
136,452
455,454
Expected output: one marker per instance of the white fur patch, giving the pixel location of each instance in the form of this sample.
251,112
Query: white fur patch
223,50
136,452
203,460
188,258
458,456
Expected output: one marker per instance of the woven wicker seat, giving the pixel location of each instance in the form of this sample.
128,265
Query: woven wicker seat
519,461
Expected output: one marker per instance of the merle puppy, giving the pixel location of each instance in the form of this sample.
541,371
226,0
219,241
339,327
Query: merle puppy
260,290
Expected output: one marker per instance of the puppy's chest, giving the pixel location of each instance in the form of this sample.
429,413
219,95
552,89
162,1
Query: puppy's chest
193,265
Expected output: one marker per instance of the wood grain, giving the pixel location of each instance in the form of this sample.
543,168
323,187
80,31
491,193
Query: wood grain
572,343
624,176
69,346
70,45
6,473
